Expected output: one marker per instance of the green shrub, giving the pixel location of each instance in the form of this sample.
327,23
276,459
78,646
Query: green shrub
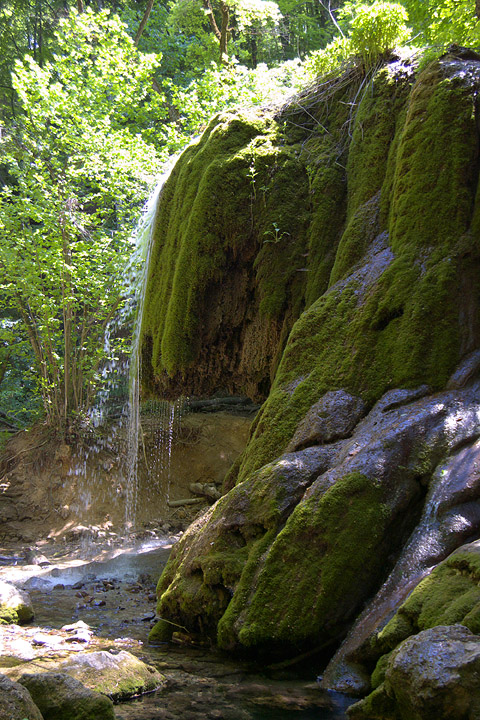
370,32
376,29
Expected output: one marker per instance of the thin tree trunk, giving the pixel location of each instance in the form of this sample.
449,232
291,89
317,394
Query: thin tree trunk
225,13
220,33
80,7
211,18
254,51
477,8
144,21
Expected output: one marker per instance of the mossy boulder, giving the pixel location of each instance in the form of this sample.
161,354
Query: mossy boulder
451,515
285,560
206,565
61,697
15,605
118,675
16,702
431,676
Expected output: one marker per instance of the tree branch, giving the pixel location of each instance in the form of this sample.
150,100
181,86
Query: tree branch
144,21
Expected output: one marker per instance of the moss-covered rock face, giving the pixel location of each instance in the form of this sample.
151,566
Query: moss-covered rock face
450,595
354,227
229,240
396,313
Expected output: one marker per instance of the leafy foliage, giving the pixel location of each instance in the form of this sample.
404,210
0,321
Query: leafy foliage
370,32
445,22
79,175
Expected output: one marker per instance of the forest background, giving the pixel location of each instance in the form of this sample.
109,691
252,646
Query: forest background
94,98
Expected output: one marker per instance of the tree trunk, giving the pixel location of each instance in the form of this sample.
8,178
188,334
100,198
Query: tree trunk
144,21
224,32
220,33
254,51
67,326
477,8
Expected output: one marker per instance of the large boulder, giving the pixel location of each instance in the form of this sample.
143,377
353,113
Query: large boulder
430,676
15,605
16,702
61,697
118,675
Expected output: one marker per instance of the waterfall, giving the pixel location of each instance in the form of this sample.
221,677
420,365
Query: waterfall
138,271
124,368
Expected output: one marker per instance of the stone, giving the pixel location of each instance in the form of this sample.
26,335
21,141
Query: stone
16,702
120,675
15,605
14,650
332,418
467,369
62,697
430,676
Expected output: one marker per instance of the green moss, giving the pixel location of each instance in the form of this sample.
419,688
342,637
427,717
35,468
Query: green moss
359,234
311,574
328,187
378,675
432,191
8,615
449,595
208,565
204,217
281,219
373,131
398,325
226,634
376,706
161,632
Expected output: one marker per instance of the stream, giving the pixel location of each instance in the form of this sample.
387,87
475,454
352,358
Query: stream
112,592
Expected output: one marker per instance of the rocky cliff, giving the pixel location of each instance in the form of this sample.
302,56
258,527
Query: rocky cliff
325,256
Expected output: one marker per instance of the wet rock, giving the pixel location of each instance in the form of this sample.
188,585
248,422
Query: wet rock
15,605
349,507
14,649
450,516
119,675
34,557
431,676
16,702
44,639
238,521
61,697
73,627
467,369
332,418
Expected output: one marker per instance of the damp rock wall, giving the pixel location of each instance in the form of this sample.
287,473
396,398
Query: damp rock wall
325,257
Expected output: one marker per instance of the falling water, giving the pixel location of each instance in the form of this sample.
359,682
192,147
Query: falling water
138,270
122,370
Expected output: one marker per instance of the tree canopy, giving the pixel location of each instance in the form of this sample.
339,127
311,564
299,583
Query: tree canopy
92,102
